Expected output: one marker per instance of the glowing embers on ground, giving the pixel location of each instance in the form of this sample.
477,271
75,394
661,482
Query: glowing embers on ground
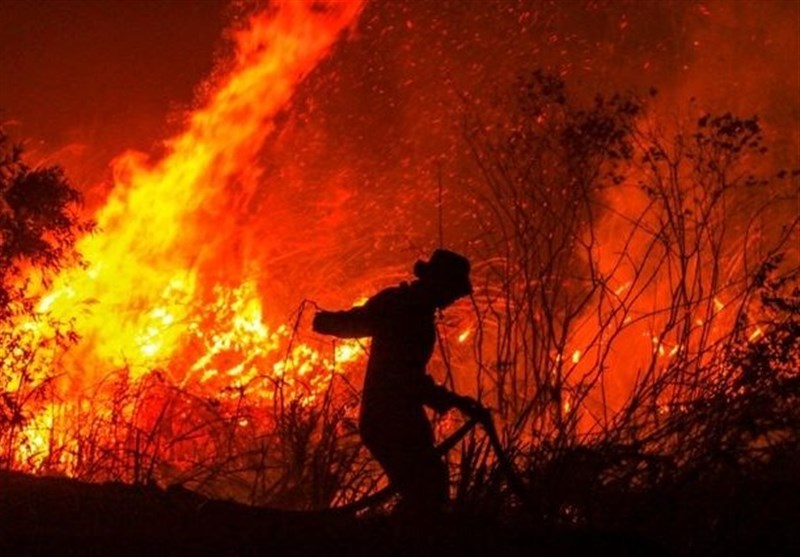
230,373
232,350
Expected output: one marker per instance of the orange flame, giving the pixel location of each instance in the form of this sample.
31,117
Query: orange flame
145,299
132,304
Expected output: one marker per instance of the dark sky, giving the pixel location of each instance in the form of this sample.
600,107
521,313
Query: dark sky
105,72
85,79
370,129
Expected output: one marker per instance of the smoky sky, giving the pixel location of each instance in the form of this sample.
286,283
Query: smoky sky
380,119
94,77
112,72
82,80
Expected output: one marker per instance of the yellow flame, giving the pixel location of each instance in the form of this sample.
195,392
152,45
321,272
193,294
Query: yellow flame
144,260
145,300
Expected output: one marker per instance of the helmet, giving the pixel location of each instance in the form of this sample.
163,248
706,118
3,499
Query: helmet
446,270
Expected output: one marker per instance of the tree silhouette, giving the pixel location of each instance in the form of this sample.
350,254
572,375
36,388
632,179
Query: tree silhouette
38,222
39,225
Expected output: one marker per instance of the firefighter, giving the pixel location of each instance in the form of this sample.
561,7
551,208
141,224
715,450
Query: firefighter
393,423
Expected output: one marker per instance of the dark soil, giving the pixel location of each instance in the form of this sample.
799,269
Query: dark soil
60,516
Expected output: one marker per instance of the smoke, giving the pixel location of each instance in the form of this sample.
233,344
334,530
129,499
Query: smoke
377,126
375,130
332,191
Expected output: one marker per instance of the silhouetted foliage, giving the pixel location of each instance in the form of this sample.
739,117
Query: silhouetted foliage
628,251
38,229
38,221
544,164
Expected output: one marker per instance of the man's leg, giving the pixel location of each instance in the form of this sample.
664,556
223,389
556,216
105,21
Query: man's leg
419,475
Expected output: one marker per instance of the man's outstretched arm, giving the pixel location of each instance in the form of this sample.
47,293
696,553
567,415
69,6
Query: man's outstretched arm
352,323
357,322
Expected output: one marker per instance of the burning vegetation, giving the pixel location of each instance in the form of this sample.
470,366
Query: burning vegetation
635,325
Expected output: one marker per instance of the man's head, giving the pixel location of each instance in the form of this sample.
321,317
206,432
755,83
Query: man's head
446,274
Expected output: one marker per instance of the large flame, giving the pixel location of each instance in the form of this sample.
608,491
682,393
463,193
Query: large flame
155,229
160,289
170,287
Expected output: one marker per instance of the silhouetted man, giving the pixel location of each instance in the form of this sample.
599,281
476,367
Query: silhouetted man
393,423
